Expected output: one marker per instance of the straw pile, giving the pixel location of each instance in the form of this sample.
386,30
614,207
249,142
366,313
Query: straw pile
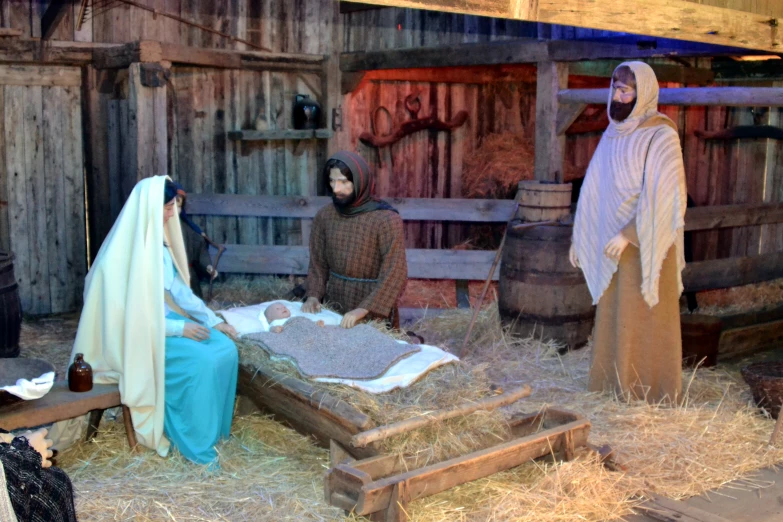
498,164
270,473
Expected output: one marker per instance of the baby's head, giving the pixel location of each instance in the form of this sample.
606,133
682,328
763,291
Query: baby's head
277,311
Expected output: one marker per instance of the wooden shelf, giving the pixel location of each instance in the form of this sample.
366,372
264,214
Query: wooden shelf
281,134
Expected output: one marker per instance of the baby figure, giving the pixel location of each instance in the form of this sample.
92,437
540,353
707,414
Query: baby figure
277,311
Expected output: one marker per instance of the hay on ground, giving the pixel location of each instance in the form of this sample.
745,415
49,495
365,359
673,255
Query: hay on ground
270,473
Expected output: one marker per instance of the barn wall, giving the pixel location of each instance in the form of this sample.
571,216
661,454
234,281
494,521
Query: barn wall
42,188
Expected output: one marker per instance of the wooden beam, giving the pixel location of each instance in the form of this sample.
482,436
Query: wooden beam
45,75
734,271
550,146
422,263
664,72
727,216
52,17
497,53
518,51
567,113
702,96
427,209
676,19
8,31
120,57
475,74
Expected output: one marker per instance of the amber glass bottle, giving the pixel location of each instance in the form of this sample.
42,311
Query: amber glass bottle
80,375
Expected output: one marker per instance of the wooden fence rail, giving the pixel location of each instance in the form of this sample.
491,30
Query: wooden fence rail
474,264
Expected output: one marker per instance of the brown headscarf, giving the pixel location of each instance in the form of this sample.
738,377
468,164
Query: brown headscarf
363,185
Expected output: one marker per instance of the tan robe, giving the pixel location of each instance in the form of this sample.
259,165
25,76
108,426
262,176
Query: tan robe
637,350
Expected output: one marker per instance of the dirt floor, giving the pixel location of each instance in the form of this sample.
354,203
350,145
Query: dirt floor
270,473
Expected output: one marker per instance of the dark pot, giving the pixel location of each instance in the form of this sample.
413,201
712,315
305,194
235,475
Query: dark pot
307,113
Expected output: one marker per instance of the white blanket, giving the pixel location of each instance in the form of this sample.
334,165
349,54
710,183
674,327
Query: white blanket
250,319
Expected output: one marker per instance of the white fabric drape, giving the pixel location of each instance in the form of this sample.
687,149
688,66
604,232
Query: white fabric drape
122,329
636,171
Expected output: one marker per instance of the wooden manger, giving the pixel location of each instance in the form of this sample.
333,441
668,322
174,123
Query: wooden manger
316,413
381,487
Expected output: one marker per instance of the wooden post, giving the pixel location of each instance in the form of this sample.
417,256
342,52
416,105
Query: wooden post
147,133
550,148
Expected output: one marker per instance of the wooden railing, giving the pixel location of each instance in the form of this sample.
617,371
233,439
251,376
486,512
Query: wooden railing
473,264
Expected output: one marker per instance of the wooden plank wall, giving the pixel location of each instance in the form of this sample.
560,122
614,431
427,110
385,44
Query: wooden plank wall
204,106
747,171
42,216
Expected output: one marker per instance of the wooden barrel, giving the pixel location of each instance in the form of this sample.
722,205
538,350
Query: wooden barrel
10,308
542,201
539,292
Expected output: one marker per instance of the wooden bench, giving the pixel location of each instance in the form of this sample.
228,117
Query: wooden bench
62,404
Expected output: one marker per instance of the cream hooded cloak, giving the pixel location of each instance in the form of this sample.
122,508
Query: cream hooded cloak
122,327
636,173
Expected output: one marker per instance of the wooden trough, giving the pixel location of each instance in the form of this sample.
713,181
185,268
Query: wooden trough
381,487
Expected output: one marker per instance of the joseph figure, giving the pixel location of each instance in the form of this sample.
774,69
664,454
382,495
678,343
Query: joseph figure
628,241
357,247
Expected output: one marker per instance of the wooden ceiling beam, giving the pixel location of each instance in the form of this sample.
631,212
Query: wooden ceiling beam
663,72
523,50
677,19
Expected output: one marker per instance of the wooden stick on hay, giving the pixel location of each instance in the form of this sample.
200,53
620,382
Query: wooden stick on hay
364,438
776,433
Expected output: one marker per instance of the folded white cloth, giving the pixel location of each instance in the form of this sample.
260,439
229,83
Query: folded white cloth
251,319
33,389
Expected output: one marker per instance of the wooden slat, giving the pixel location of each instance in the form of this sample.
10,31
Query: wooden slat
18,223
677,19
439,477
37,211
723,96
5,196
53,104
737,271
750,339
73,172
311,412
281,134
725,216
46,75
422,263
451,209
668,510
455,209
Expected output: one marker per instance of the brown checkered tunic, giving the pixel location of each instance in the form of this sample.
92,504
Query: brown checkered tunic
368,246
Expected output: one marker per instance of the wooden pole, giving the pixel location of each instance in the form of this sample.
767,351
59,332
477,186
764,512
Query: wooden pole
364,438
483,294
550,147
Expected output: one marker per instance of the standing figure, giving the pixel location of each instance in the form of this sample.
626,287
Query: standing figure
357,247
628,240
177,376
